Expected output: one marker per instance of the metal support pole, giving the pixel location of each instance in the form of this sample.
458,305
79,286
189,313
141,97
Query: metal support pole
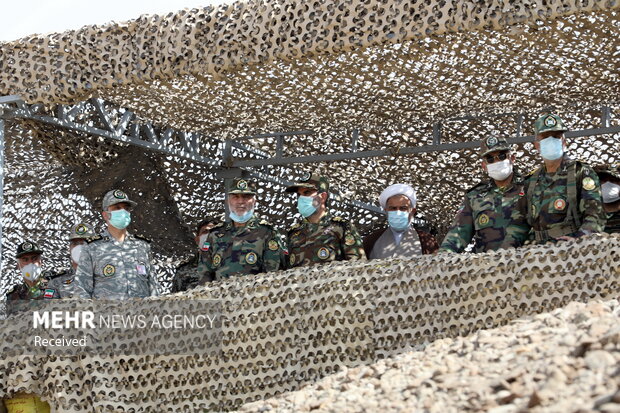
605,116
520,119
354,139
279,146
437,133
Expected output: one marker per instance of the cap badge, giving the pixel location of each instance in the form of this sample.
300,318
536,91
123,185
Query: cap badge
550,121
118,194
26,246
306,176
81,229
251,258
492,141
242,184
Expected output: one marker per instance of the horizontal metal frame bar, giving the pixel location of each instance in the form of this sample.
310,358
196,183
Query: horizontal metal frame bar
244,163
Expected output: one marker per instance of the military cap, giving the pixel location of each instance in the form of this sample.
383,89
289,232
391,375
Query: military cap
609,170
242,186
549,122
492,144
312,181
116,196
27,247
81,230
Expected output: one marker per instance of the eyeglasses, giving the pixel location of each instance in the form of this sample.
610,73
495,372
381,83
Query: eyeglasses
496,158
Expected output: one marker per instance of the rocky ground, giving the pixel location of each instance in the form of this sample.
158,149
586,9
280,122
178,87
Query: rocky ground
564,361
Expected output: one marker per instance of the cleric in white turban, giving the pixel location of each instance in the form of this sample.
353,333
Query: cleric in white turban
401,238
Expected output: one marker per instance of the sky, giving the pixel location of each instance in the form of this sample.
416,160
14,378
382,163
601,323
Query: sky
21,18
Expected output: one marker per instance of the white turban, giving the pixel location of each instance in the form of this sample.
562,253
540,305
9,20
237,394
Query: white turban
397,189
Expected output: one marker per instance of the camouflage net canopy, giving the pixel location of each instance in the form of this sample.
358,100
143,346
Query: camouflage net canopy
395,70
285,329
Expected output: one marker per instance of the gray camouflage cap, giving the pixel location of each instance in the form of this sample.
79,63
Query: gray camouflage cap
116,196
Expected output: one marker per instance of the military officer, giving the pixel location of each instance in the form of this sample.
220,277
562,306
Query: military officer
186,276
33,285
564,195
247,245
61,283
116,264
610,188
320,237
494,211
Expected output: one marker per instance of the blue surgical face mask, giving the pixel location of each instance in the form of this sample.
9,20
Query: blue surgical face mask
398,220
305,207
120,219
551,148
241,218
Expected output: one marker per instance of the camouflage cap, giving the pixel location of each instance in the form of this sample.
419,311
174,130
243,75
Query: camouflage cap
242,186
608,170
549,122
312,181
116,196
81,231
27,247
492,144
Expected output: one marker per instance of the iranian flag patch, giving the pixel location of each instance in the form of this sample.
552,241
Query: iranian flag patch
49,293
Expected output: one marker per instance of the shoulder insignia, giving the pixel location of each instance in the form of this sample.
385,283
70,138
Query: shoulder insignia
93,239
142,238
294,227
532,172
588,183
337,219
479,184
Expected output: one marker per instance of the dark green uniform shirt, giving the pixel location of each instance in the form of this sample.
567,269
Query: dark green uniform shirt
493,217
331,239
613,223
251,249
553,212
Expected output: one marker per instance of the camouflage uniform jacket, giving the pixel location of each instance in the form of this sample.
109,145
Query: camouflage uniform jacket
494,217
554,211
18,299
253,248
116,271
331,239
613,223
62,284
186,276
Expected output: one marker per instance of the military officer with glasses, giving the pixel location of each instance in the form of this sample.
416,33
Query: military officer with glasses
494,212
564,195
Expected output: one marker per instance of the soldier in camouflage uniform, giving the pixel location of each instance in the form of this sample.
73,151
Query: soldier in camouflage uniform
564,195
493,212
610,187
61,283
320,237
247,245
34,280
115,265
186,276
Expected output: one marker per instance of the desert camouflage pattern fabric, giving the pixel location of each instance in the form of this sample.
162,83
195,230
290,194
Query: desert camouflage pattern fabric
612,226
493,217
549,206
115,271
252,249
62,284
331,239
186,276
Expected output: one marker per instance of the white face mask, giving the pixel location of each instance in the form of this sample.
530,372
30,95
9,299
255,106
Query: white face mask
31,272
611,192
201,242
76,252
500,170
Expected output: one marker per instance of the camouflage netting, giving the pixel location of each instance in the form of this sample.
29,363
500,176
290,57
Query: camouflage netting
392,69
281,330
